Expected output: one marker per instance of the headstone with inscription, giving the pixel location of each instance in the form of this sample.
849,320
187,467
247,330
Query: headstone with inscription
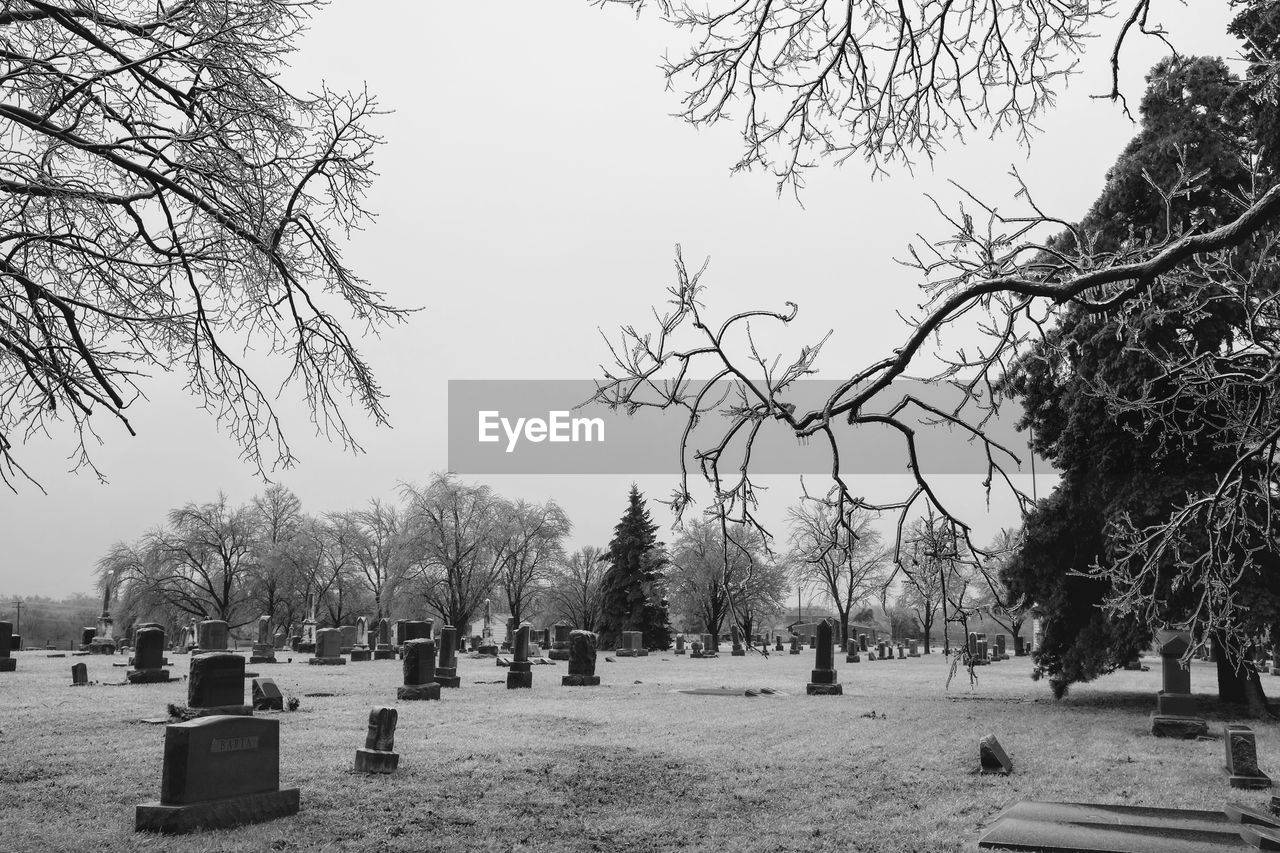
419,671
795,644
582,660
378,754
219,772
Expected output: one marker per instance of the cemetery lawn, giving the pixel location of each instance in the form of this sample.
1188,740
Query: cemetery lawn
631,765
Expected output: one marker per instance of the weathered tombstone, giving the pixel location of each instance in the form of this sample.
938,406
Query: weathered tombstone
880,653
1019,646
447,669
211,635
15,643
328,648
736,636
520,674
79,675
582,660
973,646
560,641
346,639
218,772
637,644
902,652
1175,706
266,695
913,649
7,662
378,755
1242,759
360,649
624,649
822,681
263,650
984,652
419,671
680,650
281,638
778,647
853,655
1001,652
511,634
862,643
384,649
696,647
148,657
399,638
992,758
710,645
795,644
215,684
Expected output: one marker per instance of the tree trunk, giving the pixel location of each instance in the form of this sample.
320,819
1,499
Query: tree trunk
1238,682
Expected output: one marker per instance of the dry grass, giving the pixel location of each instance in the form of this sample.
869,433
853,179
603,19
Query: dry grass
628,766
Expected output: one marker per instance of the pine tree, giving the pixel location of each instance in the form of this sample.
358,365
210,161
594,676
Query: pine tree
633,590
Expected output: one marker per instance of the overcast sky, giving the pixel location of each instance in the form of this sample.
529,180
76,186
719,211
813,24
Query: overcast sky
531,190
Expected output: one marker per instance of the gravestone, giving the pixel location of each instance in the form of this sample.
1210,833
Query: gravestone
215,684
795,644
328,648
79,675
8,663
346,639
219,772
913,649
560,641
399,638
281,638
15,643
519,674
360,649
266,695
992,758
680,650
625,648
853,655
984,652
823,681
211,635
973,646
736,635
384,649
710,646
511,633
582,660
902,652
1001,652
378,755
696,647
1175,706
1242,759
447,669
862,643
880,652
1019,646
419,671
264,651
86,637
148,657
778,647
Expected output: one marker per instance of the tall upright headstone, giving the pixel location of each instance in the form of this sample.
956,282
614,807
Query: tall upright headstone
309,626
795,644
1175,706
148,657
378,754
447,668
79,675
710,646
419,671
520,673
346,639
264,651
823,681
560,641
8,663
680,650
219,772
384,650
1242,759
738,651
328,648
360,648
582,660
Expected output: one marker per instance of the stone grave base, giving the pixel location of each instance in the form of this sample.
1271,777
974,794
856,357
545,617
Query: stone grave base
1250,783
681,651
416,692
642,653
376,761
1176,704
214,711
561,654
361,655
737,653
1069,827
517,680
306,647
795,651
384,654
490,651
147,676
580,681
262,659
448,680
216,814
624,653
328,661
853,657
8,664
1167,725
824,689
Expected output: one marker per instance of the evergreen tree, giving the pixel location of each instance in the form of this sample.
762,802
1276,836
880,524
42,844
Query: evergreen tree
633,590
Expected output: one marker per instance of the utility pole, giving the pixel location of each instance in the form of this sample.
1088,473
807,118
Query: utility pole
17,604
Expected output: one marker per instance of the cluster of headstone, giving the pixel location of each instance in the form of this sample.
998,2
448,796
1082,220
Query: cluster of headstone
706,647
981,653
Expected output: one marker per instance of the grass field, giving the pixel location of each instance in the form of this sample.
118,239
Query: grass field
631,765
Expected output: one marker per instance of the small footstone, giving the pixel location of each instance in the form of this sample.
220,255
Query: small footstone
992,756
580,681
419,692
824,689
147,676
374,761
1242,759
378,755
266,696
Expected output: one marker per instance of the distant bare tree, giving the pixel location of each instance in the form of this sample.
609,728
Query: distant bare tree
163,201
377,540
573,590
533,536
